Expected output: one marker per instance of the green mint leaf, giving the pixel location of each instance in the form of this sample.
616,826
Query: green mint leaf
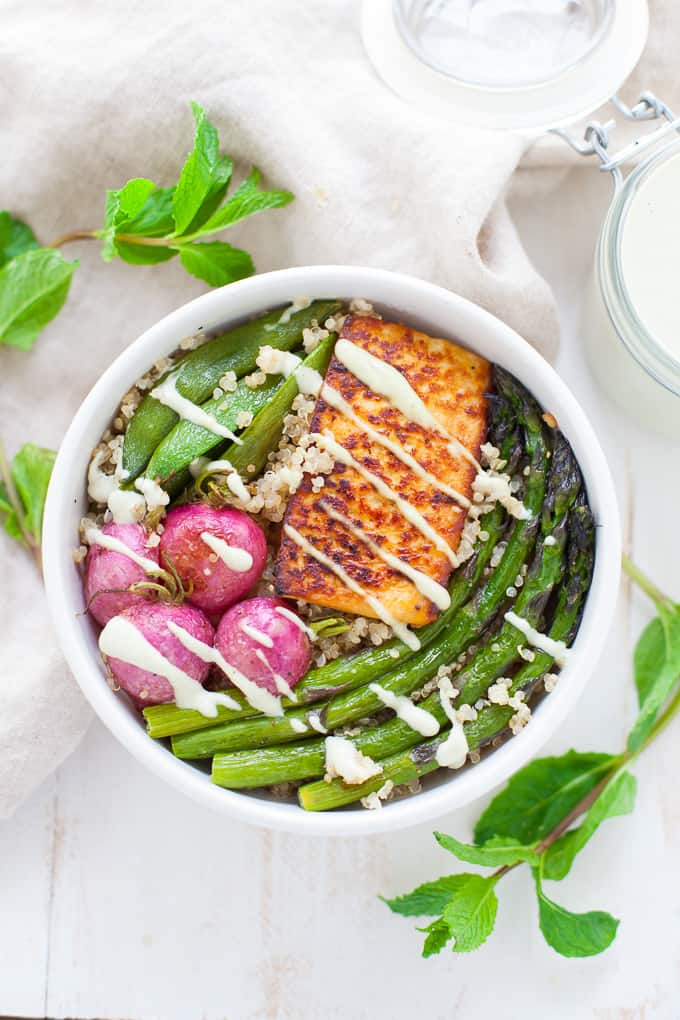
246,200
658,685
33,289
121,206
31,471
196,178
438,934
127,201
133,196
494,853
10,522
155,218
617,798
540,795
427,899
218,189
16,237
142,254
573,935
216,262
471,912
649,657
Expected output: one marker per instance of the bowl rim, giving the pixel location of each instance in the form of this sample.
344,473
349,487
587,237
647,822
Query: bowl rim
232,304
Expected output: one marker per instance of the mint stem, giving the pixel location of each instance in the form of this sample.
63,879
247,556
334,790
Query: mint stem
74,235
643,582
578,809
662,722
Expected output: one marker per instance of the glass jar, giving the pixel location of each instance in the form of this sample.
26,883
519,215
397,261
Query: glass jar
632,307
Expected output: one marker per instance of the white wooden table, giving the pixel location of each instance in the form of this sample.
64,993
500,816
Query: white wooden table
120,899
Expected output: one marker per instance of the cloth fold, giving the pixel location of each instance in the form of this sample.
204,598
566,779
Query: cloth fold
92,98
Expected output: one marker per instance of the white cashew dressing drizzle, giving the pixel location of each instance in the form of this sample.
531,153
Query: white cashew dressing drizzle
237,559
345,761
282,686
288,614
452,754
205,466
337,401
314,720
543,642
257,697
381,611
93,536
120,639
166,393
419,719
389,382
427,587
407,510
256,635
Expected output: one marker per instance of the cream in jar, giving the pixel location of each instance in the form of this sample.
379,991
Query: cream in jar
632,313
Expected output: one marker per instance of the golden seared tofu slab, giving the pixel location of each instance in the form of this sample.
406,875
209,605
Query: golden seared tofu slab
390,514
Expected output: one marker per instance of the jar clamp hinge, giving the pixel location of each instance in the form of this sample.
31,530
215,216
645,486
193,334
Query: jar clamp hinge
597,136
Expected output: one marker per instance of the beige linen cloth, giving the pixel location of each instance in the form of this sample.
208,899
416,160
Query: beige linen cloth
93,94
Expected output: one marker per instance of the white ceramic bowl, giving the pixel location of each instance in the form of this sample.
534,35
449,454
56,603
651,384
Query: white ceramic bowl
421,305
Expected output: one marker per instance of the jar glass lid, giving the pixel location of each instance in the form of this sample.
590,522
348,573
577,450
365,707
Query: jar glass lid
502,43
517,65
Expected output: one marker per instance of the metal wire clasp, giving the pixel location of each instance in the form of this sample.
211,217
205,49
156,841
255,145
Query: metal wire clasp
597,136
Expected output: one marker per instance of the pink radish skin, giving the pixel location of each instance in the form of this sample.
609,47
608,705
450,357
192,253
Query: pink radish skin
151,619
291,651
215,585
105,569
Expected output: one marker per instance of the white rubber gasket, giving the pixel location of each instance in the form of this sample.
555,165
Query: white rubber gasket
573,94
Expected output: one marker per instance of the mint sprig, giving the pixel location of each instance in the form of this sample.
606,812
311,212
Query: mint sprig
549,811
144,224
23,490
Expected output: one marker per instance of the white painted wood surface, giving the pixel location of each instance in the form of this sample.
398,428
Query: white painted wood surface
119,899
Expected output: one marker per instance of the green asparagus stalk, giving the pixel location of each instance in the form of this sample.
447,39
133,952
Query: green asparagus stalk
200,371
409,765
570,603
305,759
463,626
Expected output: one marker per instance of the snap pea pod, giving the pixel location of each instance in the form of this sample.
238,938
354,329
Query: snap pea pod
305,759
409,765
263,434
199,372
187,441
463,627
